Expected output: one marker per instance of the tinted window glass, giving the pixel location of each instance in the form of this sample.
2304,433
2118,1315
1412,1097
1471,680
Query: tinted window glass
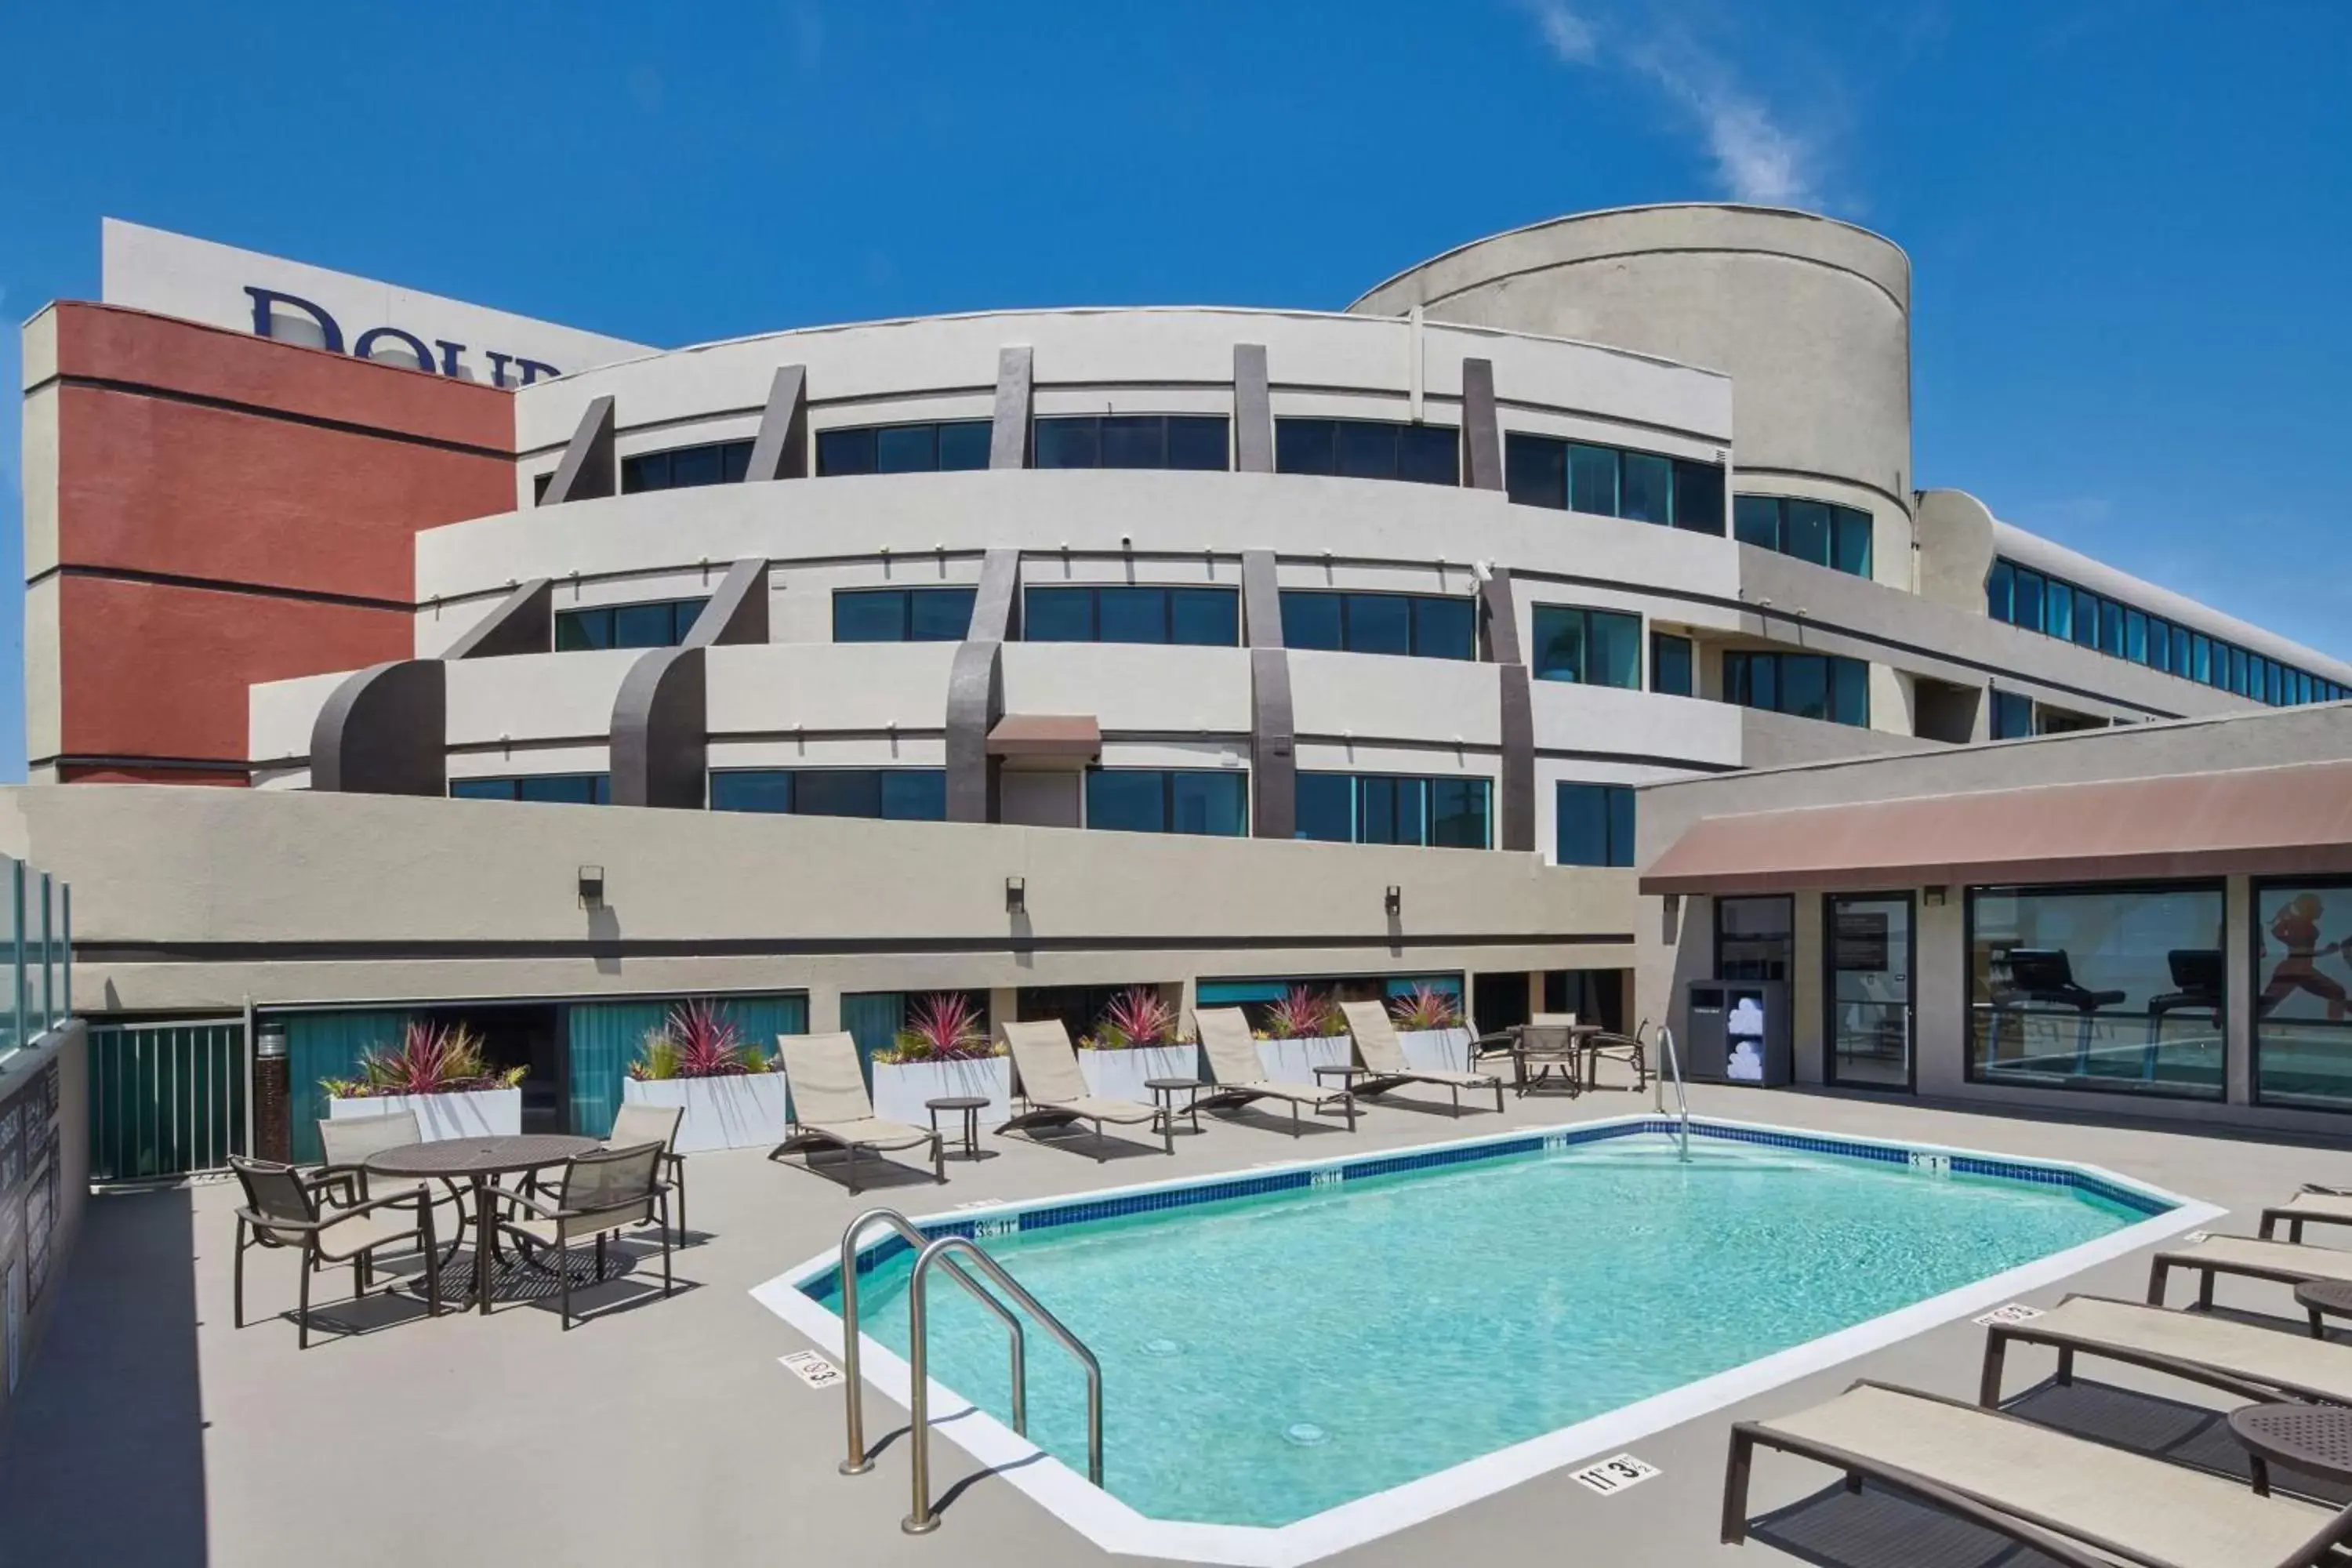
579,629
1849,693
1593,479
1327,808
1210,616
1214,803
2086,619
1388,811
939,615
1807,536
1997,591
714,463
1312,620
481,789
1670,664
1535,470
837,791
1755,519
1132,799
1366,450
1850,540
1380,623
1457,813
1616,649
2136,637
907,449
2058,609
1133,441
1560,644
1805,685
915,794
2025,600
1059,615
761,790
1647,493
1131,614
869,614
1698,497
1594,824
663,624
2012,715
1429,455
844,452
566,789
1066,444
963,444
1304,445
1444,628
1196,442
2111,627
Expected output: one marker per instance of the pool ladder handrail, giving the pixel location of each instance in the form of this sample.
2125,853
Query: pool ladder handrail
923,1519
852,1383
1682,1104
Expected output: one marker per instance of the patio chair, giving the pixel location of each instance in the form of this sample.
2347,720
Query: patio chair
2263,1365
282,1209
831,1109
599,1193
2313,1205
1240,1075
344,1145
2081,1503
1546,1042
1381,1054
2284,1262
1055,1090
1631,1049
636,1124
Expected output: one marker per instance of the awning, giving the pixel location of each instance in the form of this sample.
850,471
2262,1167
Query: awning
1046,740
2260,821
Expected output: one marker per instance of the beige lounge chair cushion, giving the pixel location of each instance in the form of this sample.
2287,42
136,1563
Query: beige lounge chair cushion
2273,1357
2164,1513
1234,1063
1379,1050
2302,1206
1090,1108
827,1085
868,1132
2263,1259
1051,1079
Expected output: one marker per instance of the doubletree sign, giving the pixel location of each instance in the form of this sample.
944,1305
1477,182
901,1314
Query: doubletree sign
268,304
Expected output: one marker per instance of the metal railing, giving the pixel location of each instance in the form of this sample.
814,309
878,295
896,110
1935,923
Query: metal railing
1682,1104
167,1099
922,1520
859,1461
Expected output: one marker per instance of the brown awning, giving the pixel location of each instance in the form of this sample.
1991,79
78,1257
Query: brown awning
1046,739
2263,821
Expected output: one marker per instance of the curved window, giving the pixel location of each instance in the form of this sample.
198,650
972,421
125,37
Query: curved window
663,624
1609,482
682,467
1421,625
1135,614
1169,800
1837,537
1803,685
1131,441
896,795
1593,825
1592,648
932,446
1380,808
1368,449
559,789
902,614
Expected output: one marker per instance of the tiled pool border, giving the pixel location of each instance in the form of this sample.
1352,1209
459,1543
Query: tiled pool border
1117,1527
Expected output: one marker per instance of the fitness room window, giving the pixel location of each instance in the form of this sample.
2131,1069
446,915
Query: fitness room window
1754,939
2302,964
1868,954
2111,987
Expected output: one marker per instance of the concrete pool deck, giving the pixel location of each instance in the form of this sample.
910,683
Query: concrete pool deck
152,1432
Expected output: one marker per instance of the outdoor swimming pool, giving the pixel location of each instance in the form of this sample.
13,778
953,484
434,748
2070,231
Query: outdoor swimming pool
1269,1355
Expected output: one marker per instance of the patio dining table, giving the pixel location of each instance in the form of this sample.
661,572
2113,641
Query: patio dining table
481,1160
1545,1046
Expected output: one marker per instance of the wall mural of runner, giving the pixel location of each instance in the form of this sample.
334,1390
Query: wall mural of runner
2303,1006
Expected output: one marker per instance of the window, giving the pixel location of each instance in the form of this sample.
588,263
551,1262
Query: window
902,614
1605,481
1368,808
1131,441
1208,616
1754,939
1169,800
663,624
1368,449
1867,988
1804,685
1594,647
2112,987
1671,666
2303,1038
1593,825
561,789
1837,537
903,449
682,467
896,795
1423,626
2012,715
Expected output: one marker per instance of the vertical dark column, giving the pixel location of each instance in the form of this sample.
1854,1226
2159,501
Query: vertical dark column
273,1109
660,740
1498,629
996,607
976,688
588,468
1008,436
1274,730
1482,432
385,731
738,610
524,622
1253,411
781,450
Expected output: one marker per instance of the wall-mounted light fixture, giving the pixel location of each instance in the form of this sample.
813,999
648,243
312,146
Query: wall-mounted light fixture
1395,900
1935,896
269,1037
1017,895
592,886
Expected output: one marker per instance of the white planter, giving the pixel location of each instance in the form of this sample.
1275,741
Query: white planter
751,1111
1294,1061
901,1087
478,1114
1437,1050
1121,1075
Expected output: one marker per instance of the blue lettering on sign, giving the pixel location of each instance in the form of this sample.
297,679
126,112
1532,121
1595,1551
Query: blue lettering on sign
266,303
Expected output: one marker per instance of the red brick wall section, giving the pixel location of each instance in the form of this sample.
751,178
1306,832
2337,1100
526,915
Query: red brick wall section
279,489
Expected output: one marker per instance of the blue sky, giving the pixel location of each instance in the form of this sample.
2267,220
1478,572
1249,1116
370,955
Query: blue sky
2130,222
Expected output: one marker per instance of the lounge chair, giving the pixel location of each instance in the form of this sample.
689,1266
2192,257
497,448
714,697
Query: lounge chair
831,1109
2285,1262
1240,1074
2313,1205
2245,1359
1381,1056
2081,1503
1055,1090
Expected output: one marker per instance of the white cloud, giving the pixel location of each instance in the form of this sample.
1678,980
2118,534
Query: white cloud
1570,36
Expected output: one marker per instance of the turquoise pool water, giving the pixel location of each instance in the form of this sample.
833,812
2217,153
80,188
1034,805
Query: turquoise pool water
1266,1358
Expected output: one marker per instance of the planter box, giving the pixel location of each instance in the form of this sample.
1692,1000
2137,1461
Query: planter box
900,1088
1437,1050
481,1112
749,1111
1294,1061
1121,1075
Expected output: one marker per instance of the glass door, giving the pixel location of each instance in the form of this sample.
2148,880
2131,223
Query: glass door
1868,955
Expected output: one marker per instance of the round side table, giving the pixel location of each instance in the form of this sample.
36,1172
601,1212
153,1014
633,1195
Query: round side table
2321,1298
969,1106
2312,1438
1165,1092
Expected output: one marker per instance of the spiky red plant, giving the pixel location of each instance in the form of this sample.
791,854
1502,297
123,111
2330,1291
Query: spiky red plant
1136,1016
1303,1014
709,1044
431,1058
1425,1008
942,1027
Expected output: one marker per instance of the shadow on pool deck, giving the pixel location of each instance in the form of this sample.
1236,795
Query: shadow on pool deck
103,1461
